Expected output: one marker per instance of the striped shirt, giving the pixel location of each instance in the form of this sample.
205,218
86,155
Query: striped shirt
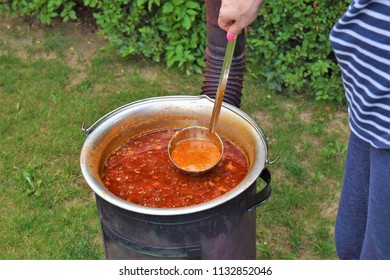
361,42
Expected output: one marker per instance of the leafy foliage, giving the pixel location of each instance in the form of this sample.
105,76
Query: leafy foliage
173,30
288,45
45,10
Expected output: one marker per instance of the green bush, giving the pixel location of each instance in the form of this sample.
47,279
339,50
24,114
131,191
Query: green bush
45,10
174,30
288,44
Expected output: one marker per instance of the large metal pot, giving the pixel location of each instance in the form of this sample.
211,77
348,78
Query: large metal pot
223,228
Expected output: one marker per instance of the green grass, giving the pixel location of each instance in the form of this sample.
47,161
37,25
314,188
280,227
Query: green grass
44,100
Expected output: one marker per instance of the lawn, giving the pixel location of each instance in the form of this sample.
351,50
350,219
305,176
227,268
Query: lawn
52,79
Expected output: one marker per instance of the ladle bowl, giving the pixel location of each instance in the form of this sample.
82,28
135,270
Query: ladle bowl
201,148
200,152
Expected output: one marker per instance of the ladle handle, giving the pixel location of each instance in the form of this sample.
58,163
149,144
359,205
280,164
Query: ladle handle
227,62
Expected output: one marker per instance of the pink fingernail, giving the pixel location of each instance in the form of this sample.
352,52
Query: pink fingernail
230,37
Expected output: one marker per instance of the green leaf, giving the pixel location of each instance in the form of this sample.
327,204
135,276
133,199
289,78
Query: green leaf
140,3
93,4
192,5
168,8
156,57
191,12
38,189
178,2
186,22
179,50
27,192
72,15
170,62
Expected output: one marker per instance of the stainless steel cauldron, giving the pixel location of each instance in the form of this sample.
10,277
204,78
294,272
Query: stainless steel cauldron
223,228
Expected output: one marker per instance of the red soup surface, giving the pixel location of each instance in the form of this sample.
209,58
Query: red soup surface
141,172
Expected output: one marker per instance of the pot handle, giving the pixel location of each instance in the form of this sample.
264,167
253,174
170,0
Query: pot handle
256,200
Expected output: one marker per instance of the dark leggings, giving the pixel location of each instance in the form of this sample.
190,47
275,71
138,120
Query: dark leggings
363,220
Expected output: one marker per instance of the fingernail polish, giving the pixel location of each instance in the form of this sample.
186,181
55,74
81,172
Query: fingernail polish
230,37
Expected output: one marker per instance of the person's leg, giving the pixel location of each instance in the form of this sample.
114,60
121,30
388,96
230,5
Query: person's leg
377,239
352,212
